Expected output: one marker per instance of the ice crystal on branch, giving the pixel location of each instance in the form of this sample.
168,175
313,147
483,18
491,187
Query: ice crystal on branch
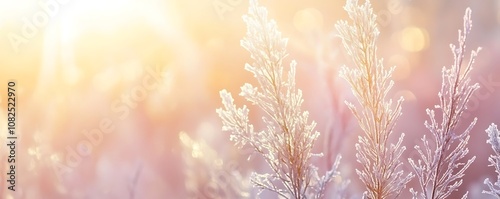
494,140
370,81
286,143
440,170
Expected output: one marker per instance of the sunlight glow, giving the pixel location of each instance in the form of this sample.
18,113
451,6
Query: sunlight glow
71,75
108,13
106,79
10,8
308,20
132,70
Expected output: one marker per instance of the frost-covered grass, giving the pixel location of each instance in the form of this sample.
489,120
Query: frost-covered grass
287,141
288,138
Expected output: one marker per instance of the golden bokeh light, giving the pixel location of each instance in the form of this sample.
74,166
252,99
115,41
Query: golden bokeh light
413,39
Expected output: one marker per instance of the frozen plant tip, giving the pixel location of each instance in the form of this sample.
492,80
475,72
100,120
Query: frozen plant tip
494,140
370,81
440,170
287,141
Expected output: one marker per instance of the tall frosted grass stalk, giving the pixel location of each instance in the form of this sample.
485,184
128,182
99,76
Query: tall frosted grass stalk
440,170
287,141
494,141
370,81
